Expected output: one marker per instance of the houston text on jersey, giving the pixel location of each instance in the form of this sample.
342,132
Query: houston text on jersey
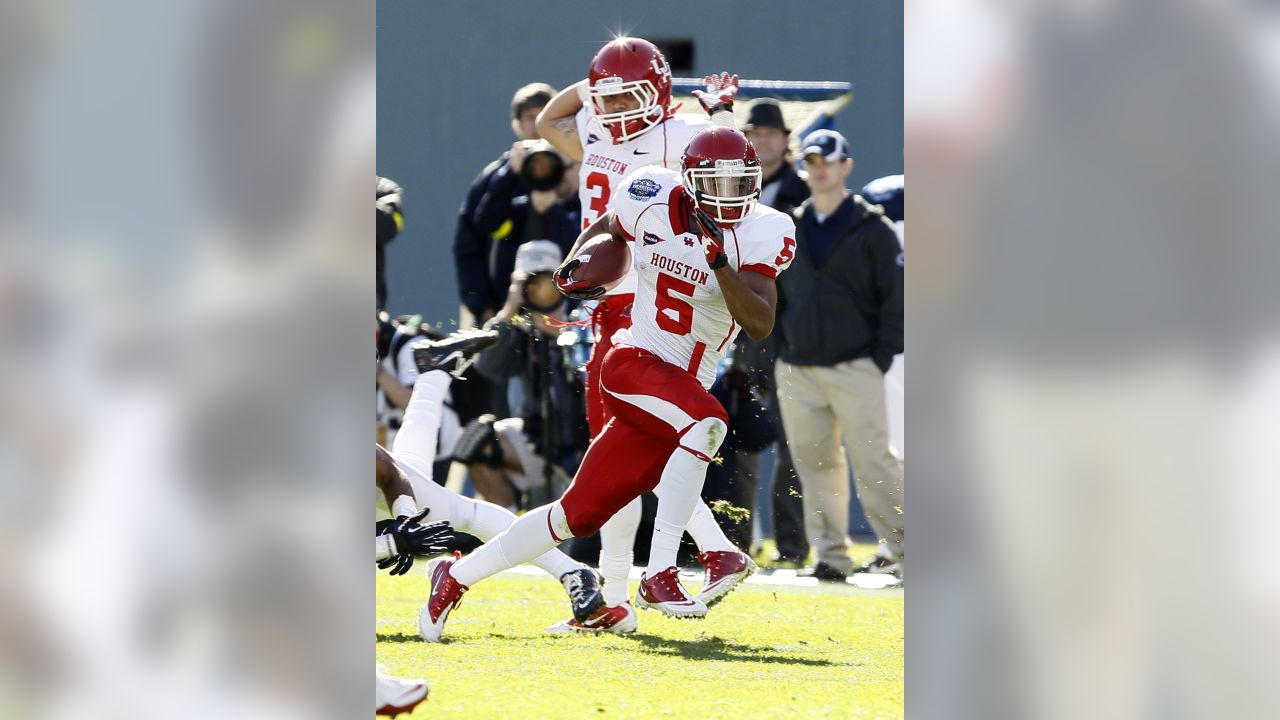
680,269
605,163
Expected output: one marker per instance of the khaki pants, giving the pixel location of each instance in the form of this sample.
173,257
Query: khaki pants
821,406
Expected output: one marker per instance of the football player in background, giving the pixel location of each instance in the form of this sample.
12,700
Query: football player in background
620,118
705,256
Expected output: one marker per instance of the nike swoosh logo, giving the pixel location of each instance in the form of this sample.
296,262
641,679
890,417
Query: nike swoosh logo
639,152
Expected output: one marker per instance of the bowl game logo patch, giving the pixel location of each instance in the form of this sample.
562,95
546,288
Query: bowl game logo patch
643,189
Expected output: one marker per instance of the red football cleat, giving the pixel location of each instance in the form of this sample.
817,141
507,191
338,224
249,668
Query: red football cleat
725,571
446,594
665,593
619,619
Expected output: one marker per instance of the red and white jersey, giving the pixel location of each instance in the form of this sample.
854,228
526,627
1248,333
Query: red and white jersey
679,313
604,164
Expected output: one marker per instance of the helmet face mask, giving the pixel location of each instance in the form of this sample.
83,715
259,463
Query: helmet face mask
726,194
624,125
721,173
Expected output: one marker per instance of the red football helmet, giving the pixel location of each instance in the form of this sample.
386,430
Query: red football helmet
635,67
722,173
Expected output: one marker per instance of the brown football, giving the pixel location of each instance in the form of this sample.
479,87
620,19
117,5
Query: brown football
605,261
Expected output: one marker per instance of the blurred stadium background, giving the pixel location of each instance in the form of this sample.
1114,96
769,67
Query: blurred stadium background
445,80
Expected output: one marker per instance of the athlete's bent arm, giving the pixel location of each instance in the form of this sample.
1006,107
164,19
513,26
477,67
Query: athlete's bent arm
556,122
751,298
606,223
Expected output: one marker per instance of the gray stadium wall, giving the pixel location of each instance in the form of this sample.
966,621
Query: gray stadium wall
447,70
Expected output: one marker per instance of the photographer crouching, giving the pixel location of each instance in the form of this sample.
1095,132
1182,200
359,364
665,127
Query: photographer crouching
531,456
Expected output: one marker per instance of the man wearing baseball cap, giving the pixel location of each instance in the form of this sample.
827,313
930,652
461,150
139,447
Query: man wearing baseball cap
841,326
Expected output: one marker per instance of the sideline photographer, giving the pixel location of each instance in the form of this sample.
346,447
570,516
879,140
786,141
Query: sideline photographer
536,451
484,258
538,194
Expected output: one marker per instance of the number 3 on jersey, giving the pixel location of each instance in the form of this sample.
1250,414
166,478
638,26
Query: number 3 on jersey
599,202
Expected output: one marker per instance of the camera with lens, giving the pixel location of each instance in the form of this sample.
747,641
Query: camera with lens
543,167
535,261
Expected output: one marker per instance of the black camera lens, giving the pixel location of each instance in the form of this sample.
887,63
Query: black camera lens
543,167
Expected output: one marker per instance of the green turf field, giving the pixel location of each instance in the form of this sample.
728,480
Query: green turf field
765,652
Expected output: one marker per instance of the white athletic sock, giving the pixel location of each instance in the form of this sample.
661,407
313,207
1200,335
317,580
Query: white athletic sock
482,519
617,544
678,492
527,538
706,531
486,520
415,443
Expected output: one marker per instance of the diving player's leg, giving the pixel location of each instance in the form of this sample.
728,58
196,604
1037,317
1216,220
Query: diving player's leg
415,443
415,448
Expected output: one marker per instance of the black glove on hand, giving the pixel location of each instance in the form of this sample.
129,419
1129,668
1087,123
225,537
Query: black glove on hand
413,539
712,236
575,289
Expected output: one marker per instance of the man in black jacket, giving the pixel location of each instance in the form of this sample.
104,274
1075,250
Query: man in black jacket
841,327
484,260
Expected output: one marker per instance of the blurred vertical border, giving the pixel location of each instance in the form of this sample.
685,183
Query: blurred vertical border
186,273
1091,313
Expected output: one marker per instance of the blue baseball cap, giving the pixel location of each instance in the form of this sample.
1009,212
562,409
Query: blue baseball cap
830,144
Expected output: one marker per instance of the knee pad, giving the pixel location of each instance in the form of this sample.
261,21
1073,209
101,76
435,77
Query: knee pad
558,522
703,438
478,443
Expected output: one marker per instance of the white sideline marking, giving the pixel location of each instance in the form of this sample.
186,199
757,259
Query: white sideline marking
781,576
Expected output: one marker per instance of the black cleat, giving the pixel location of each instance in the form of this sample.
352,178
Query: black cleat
881,566
453,354
823,572
584,591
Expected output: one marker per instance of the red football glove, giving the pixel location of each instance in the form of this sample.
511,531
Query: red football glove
719,94
575,289
712,236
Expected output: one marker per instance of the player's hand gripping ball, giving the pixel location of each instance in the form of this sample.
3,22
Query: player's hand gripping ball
598,266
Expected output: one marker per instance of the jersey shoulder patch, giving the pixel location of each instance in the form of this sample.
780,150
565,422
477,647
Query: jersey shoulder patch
643,188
